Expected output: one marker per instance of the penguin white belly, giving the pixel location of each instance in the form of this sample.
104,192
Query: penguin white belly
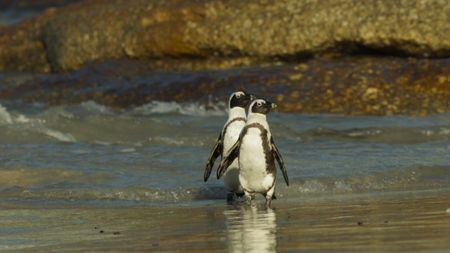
231,176
253,175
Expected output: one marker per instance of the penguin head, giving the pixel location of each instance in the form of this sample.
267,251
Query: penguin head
262,106
240,99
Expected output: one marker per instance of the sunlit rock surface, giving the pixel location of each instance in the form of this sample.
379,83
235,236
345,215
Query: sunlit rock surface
317,56
67,38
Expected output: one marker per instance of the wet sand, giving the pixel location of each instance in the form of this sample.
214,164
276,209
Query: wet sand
389,222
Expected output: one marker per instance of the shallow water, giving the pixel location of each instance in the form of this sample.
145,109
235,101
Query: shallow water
120,168
154,154
395,222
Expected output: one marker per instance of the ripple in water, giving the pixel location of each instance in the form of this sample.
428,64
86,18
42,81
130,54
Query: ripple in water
156,153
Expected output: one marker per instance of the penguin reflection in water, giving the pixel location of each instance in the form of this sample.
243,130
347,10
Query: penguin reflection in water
237,105
256,153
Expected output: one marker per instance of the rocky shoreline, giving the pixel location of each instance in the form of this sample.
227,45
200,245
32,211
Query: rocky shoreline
363,85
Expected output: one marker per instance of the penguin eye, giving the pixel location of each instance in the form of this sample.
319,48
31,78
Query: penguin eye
238,95
258,103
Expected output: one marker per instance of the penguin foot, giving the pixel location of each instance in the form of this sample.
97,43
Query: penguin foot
268,202
240,194
249,198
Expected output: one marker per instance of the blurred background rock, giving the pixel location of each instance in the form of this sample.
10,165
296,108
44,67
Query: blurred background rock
341,56
13,11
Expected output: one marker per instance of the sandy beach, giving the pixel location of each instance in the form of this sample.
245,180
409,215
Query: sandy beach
391,222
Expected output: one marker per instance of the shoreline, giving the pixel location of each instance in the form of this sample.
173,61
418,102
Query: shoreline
395,222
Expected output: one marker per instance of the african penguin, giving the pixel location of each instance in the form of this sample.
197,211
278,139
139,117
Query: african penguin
256,153
237,104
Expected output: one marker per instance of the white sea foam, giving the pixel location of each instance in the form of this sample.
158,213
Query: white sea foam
440,131
92,106
32,124
8,118
5,117
166,140
195,109
128,150
444,131
427,132
103,143
64,137
22,119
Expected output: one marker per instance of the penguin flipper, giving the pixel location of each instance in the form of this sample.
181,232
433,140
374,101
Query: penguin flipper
229,158
277,155
215,152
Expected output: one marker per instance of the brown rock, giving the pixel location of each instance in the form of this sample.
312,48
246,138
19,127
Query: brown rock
70,37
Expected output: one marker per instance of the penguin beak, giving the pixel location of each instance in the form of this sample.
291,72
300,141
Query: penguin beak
270,106
273,106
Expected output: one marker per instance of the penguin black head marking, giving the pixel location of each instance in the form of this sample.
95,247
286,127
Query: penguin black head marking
262,106
240,99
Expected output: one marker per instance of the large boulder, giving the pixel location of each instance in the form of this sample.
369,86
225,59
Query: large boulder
69,37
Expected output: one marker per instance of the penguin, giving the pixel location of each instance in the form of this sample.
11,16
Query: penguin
237,105
256,153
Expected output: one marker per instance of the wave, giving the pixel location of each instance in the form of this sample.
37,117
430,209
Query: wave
156,122
192,109
56,186
5,117
399,135
18,125
93,107
160,123
128,194
63,137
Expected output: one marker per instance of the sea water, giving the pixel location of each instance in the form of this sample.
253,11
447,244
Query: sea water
155,154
